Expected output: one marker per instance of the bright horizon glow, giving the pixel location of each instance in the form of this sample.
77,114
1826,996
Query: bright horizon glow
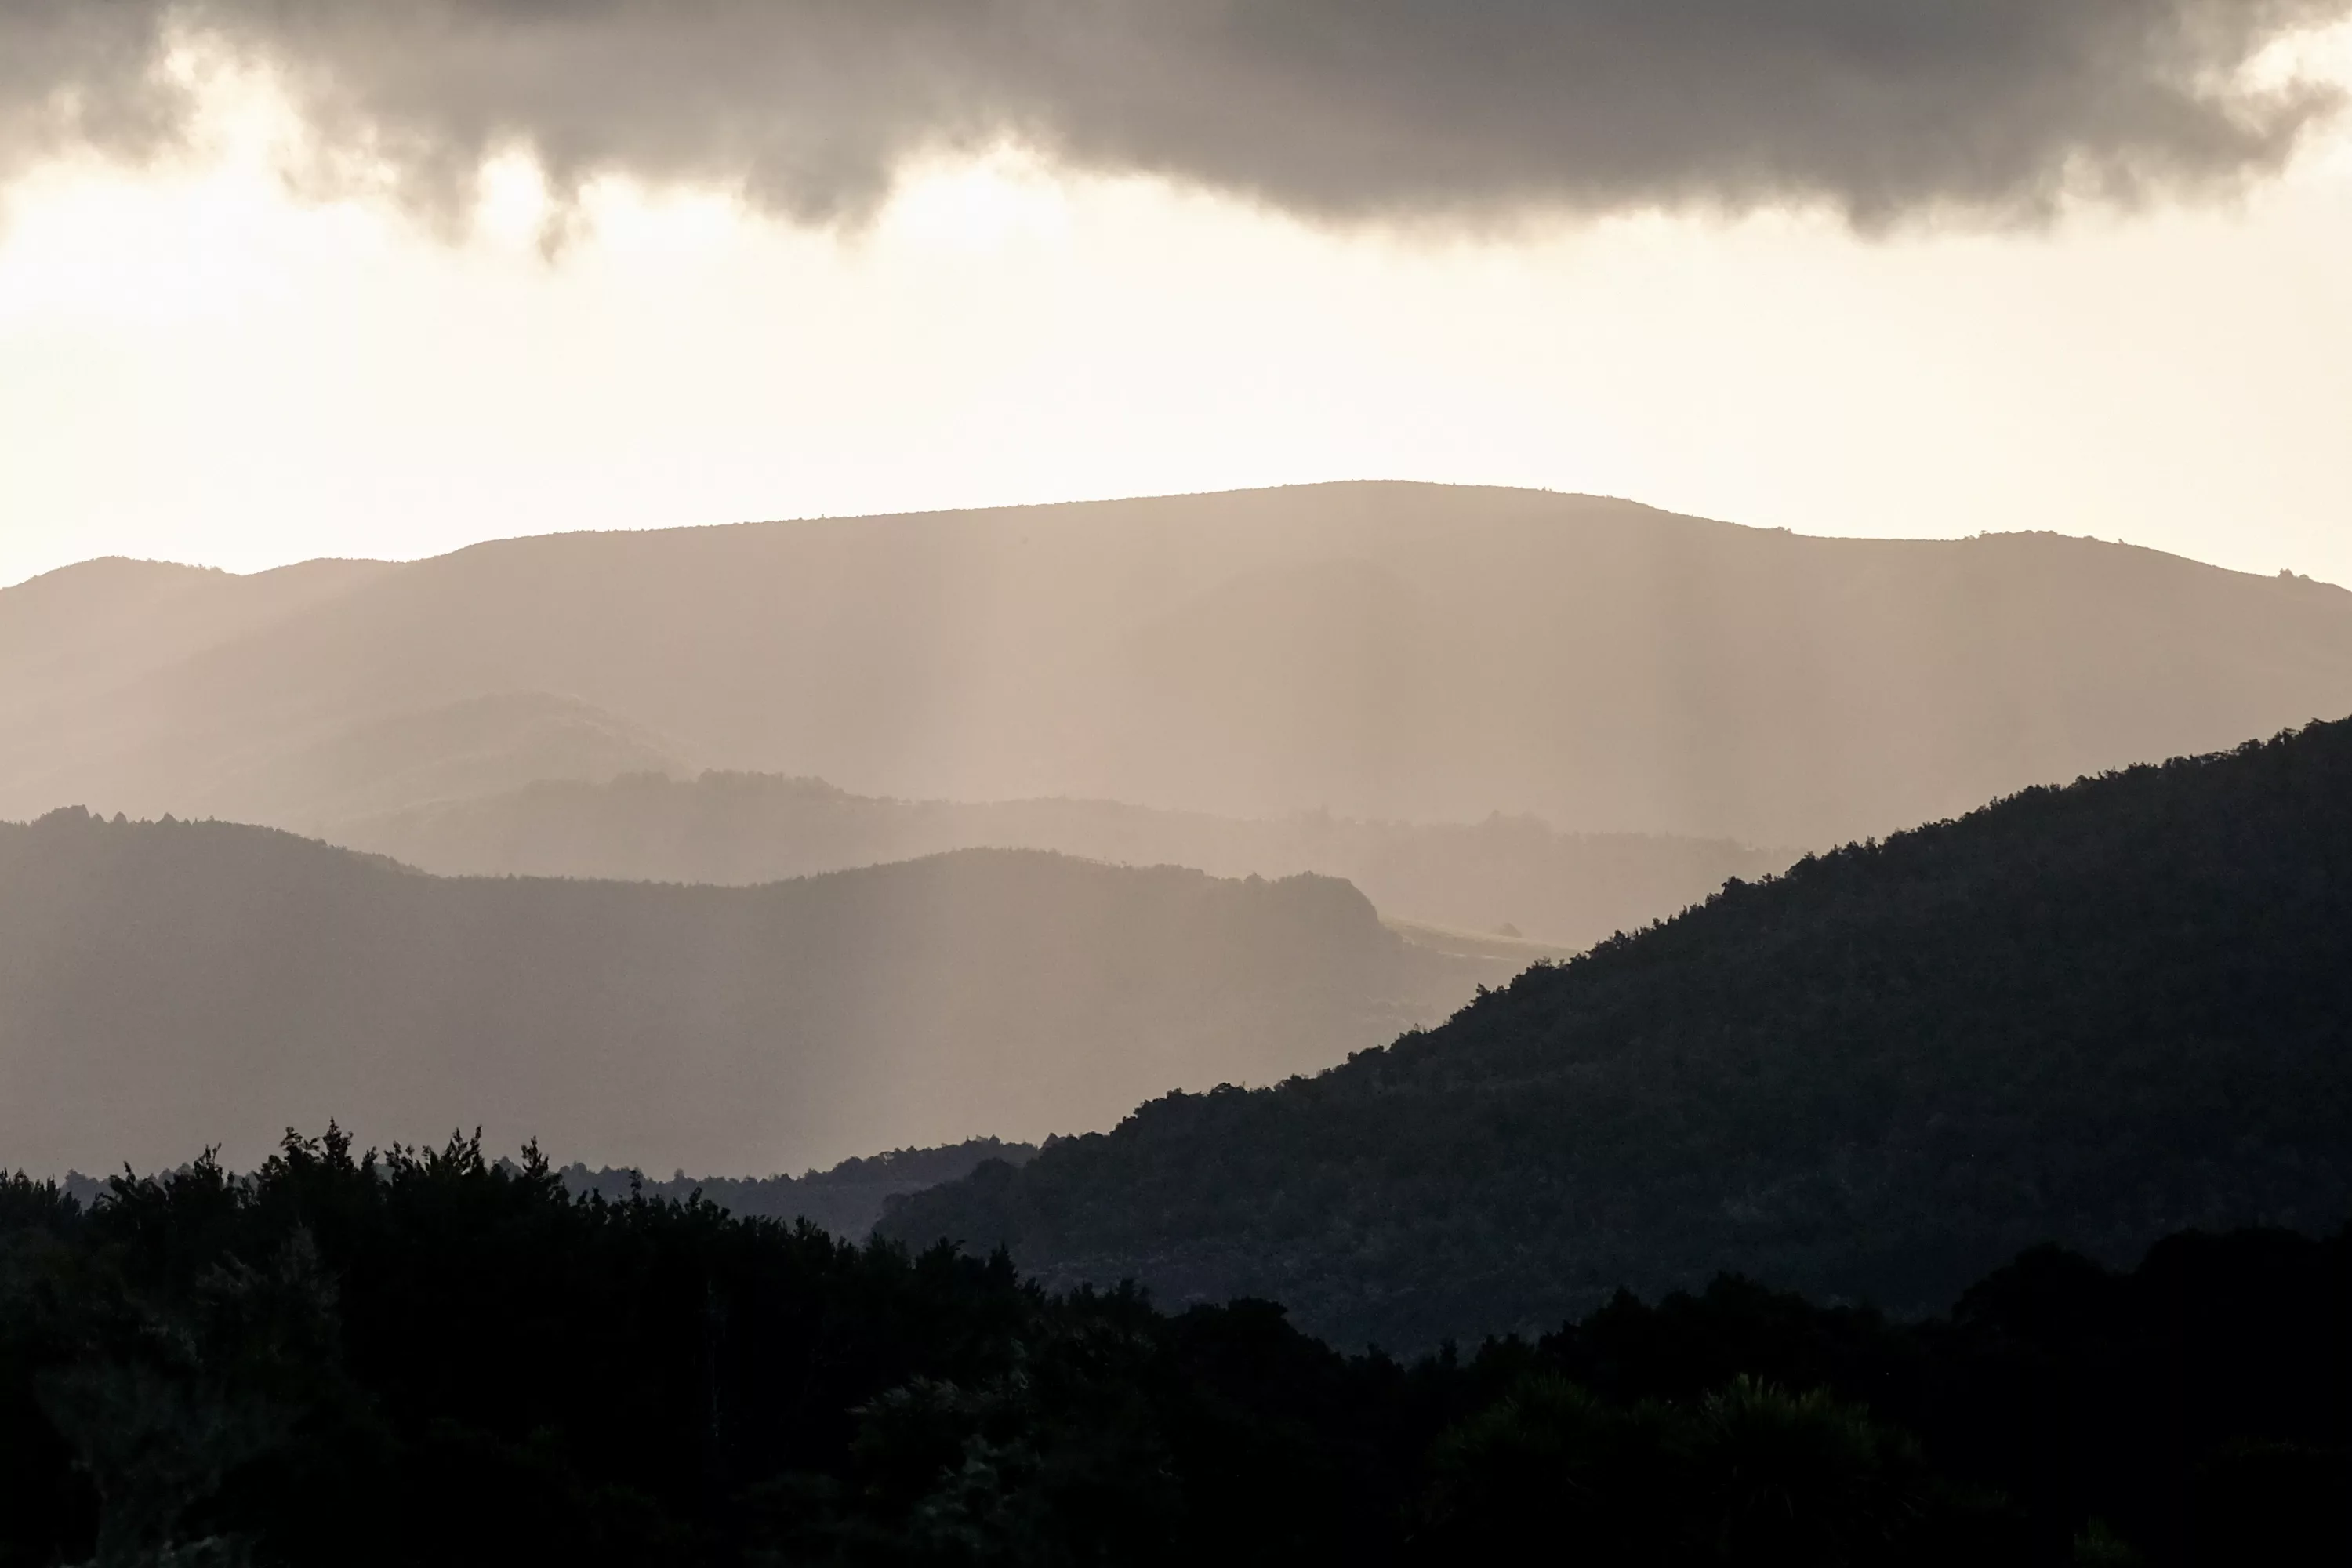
199,364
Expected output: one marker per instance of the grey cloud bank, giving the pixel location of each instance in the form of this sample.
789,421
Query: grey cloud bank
1344,110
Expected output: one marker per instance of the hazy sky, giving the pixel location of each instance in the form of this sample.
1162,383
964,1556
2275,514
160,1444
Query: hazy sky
1844,266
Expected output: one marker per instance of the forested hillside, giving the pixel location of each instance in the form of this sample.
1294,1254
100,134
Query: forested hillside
432,1357
2087,1014
1395,652
171,984
1569,890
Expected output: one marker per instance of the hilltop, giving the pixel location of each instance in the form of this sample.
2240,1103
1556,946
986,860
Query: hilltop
1392,652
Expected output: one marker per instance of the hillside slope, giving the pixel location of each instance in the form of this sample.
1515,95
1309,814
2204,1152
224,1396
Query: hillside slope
1569,890
1385,651
2090,1015
169,984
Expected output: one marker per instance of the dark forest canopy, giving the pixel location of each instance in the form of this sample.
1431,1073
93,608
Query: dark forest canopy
163,984
431,1357
2091,1015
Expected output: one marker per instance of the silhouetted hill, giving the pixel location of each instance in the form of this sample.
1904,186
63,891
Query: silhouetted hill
845,1200
167,984
2089,1015
1386,651
1569,890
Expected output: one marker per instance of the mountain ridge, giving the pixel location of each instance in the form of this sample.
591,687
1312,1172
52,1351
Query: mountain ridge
1386,651
2087,1015
1559,889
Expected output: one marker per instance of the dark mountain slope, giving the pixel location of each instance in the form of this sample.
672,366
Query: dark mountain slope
1569,889
165,985
1388,651
2088,1015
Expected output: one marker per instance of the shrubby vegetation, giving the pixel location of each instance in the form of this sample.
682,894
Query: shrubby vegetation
433,1357
2091,1015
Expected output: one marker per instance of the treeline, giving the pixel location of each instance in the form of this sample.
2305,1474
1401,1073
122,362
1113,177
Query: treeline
430,1356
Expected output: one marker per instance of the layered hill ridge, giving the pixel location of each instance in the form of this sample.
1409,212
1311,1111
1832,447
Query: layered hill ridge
1386,651
1514,873
166,986
845,1200
2089,1015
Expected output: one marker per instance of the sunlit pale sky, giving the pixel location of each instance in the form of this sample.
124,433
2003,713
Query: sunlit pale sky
200,363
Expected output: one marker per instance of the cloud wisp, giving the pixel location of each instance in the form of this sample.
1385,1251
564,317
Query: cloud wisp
1342,109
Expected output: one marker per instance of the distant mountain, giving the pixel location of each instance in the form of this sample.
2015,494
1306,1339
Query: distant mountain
92,628
164,986
1569,889
2090,1015
1385,651
845,1200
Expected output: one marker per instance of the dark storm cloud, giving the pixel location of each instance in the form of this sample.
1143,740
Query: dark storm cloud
1330,108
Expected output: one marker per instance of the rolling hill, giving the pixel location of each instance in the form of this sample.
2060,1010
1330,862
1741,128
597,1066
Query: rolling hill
1569,890
1385,651
2088,1015
165,985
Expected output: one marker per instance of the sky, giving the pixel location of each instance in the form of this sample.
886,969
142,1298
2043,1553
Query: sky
270,293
